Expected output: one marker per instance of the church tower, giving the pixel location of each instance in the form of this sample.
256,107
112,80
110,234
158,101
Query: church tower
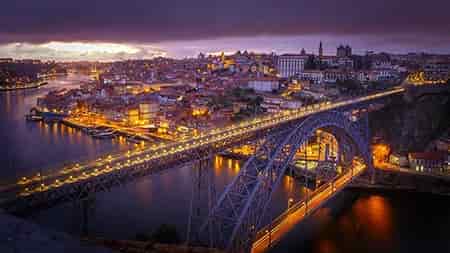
320,49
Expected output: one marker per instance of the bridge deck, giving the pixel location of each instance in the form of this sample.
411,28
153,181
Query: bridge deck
298,212
119,164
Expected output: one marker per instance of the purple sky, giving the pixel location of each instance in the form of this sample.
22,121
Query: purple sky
185,27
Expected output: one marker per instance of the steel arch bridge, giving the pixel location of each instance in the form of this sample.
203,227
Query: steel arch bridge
237,215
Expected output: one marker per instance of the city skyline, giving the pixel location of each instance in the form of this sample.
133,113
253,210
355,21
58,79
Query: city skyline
253,126
113,31
111,51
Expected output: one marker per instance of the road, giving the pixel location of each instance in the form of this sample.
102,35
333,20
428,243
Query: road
299,211
395,168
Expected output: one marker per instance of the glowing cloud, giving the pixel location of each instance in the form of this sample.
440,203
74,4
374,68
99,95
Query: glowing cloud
89,48
74,51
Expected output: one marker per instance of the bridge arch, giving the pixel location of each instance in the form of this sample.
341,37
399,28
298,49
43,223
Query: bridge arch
238,213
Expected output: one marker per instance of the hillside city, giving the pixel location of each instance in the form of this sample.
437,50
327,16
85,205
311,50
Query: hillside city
167,99
163,100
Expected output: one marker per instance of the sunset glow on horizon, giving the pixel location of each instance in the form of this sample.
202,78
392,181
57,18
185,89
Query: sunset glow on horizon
112,51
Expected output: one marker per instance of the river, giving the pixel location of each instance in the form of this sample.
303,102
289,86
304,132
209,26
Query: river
364,222
137,207
373,222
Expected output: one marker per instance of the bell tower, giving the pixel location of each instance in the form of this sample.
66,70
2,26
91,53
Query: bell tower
320,49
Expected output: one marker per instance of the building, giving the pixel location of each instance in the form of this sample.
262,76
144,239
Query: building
148,111
448,161
382,64
378,75
329,61
264,84
334,75
290,64
291,104
385,75
239,106
436,70
199,110
320,50
6,60
272,104
443,143
314,76
344,51
132,116
345,62
399,159
428,161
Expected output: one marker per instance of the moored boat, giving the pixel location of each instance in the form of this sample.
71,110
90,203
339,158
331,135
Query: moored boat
105,134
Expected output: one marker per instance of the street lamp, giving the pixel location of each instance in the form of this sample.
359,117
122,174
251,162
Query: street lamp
269,231
290,201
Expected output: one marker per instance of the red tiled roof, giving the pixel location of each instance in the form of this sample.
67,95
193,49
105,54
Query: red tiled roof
428,155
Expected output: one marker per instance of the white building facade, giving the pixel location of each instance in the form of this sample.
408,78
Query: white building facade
314,76
290,65
264,84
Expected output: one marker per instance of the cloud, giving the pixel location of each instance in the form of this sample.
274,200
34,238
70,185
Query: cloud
73,51
182,28
102,51
152,21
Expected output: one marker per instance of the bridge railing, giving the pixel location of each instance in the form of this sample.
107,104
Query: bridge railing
333,186
294,207
54,171
254,124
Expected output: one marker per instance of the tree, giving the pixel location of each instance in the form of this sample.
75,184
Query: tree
241,93
349,84
142,237
255,104
166,234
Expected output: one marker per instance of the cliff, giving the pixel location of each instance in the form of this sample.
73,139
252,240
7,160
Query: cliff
410,124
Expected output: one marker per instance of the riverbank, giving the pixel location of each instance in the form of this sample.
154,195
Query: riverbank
391,188
23,87
133,246
19,235
131,136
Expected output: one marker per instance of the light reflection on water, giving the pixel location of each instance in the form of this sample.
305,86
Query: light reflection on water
375,216
29,147
142,205
367,222
372,222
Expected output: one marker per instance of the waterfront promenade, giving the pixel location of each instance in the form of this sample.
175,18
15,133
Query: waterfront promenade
23,86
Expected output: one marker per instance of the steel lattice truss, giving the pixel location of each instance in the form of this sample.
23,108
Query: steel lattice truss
238,213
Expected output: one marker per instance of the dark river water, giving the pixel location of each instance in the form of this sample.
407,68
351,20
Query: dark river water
373,222
357,222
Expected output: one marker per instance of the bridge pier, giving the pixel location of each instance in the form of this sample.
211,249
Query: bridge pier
203,188
86,206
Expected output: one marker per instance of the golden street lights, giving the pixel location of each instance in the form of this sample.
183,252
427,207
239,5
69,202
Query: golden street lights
290,202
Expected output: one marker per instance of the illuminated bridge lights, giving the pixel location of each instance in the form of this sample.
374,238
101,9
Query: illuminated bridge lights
24,180
207,138
42,187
